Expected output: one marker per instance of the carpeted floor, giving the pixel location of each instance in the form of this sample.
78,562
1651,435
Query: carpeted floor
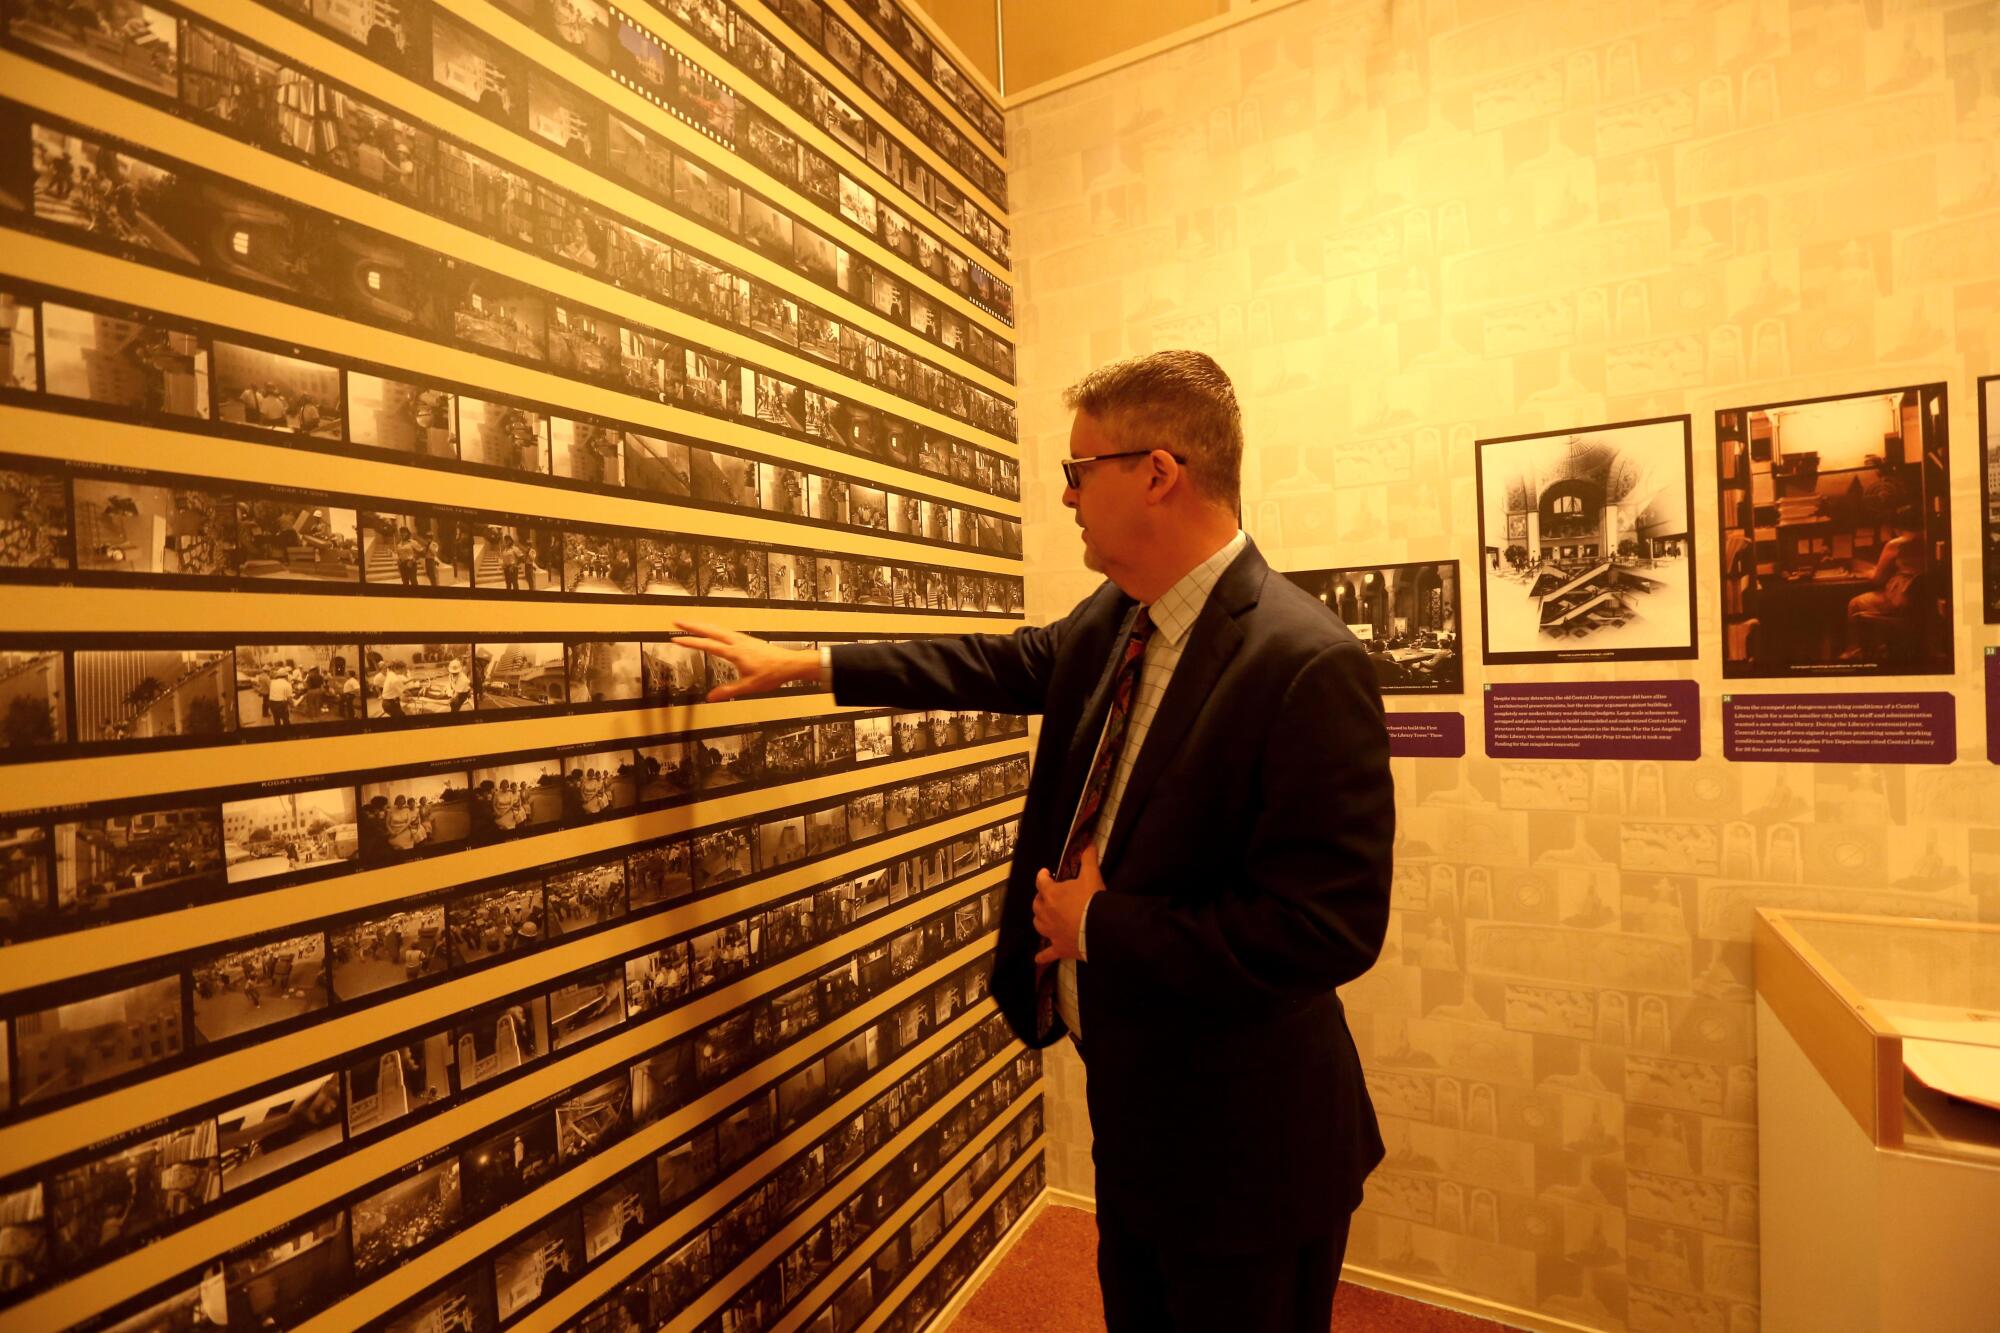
1048,1284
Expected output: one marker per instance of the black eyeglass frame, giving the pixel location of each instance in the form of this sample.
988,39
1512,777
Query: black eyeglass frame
1072,468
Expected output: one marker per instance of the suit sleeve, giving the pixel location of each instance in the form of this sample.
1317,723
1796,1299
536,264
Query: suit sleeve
1001,673
1311,904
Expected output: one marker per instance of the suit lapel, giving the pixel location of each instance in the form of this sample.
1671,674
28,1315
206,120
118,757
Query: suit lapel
1216,636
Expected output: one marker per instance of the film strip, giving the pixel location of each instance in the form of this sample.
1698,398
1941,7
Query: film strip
750,48
551,222
376,1090
892,20
73,867
113,527
69,353
326,263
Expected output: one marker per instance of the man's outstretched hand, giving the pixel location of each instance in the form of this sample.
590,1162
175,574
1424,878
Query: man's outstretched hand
760,667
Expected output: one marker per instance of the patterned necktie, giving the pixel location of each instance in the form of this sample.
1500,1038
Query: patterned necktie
1083,829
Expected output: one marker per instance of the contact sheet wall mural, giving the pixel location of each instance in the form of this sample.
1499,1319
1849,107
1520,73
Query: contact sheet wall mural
391,934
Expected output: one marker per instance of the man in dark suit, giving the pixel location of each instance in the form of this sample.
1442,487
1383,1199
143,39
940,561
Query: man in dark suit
1204,856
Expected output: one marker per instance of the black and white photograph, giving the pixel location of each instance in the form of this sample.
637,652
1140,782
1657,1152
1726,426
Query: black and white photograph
775,316
585,451
122,38
1586,544
1406,616
408,417
662,1081
34,702
90,186
291,1274
501,315
561,114
834,744
725,479
76,1045
599,562
283,834
284,538
826,829
517,557
257,97
27,878
657,467
464,1304
666,772
483,71
674,676
722,954
1989,495
593,1116
704,101
278,1129
385,951
866,817
504,436
584,897
147,366
283,685
34,519
586,342
242,990
781,403
651,363
520,675
605,671
288,394
656,980
403,1218
792,577
514,800
729,760
490,1042
710,384
118,864
415,549
405,680
687,1167
145,694
1836,536
510,1162
721,856
781,841
539,1264
387,1085
593,1002
402,818
489,923
131,1193
706,194
667,568
597,786
788,752
660,874
619,1212
728,570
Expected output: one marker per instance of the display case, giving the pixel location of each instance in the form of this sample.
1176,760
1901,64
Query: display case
1878,1048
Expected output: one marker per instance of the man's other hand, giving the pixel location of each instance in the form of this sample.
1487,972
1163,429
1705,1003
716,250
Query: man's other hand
1059,905
760,667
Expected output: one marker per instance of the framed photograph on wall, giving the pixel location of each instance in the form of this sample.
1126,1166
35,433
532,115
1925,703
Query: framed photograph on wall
1836,535
1586,547
1989,496
1406,616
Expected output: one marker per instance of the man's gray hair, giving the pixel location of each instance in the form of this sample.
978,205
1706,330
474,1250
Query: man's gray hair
1178,400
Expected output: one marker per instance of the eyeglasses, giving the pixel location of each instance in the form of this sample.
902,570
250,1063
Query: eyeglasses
1072,468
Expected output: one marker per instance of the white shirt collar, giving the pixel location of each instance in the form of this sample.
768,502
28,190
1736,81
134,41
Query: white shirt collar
1175,612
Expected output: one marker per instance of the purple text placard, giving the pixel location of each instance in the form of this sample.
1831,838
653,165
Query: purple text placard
1426,735
1840,728
1993,704
1607,719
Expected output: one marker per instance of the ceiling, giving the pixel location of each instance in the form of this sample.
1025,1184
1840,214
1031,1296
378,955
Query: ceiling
1047,40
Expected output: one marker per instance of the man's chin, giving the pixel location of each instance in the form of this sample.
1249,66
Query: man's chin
1091,561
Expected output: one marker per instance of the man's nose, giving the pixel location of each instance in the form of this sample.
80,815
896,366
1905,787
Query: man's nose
1069,497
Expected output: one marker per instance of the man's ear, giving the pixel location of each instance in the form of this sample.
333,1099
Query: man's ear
1166,475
